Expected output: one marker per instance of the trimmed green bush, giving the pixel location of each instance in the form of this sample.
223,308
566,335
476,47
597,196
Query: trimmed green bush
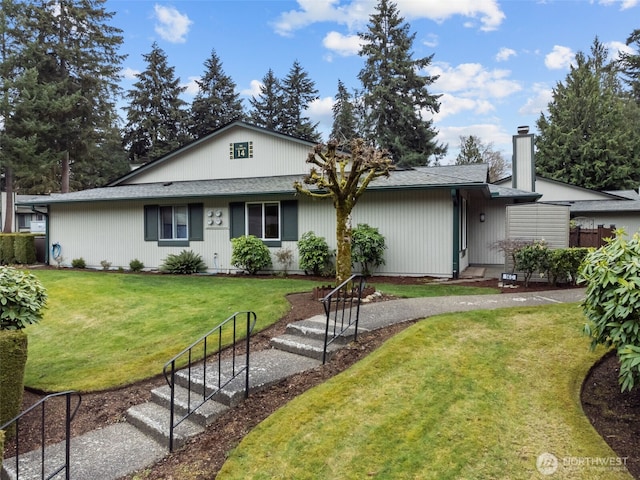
315,255
612,302
250,254
1,448
367,248
13,359
186,262
531,259
136,265
78,263
7,253
564,264
24,248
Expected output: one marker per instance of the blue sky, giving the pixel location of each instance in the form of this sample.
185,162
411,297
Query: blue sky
497,60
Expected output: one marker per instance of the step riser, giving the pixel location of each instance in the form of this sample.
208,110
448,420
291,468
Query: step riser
301,348
153,421
317,334
204,415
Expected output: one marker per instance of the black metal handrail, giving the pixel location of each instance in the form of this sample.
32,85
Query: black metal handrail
220,380
339,305
70,414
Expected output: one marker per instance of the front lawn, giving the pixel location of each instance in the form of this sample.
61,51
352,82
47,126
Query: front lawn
479,395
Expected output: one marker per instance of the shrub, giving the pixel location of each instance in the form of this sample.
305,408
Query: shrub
315,255
285,258
7,252
24,248
136,265
612,302
78,263
531,259
22,299
105,265
250,254
367,248
564,264
184,263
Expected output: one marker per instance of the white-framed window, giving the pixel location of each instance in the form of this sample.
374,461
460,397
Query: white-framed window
263,220
174,222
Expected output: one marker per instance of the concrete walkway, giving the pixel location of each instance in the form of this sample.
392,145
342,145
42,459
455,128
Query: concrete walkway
121,449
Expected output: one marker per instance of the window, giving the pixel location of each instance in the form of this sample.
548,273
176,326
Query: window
173,223
263,220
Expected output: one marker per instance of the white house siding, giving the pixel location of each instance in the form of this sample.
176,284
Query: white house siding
556,191
629,221
417,226
210,160
483,236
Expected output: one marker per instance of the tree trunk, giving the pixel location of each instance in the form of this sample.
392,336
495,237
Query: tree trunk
9,209
343,239
65,173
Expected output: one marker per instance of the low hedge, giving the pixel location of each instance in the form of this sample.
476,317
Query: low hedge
13,358
17,248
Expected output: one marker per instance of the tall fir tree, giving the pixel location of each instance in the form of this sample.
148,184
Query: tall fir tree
266,109
395,95
156,115
217,102
62,74
589,136
344,127
629,64
298,92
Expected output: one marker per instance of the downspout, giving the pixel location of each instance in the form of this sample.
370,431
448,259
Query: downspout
455,265
46,233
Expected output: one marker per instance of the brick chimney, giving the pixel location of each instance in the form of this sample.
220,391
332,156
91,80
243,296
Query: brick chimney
523,166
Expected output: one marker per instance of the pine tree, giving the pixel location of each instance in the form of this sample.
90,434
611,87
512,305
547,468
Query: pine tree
589,136
267,107
216,102
473,150
298,92
156,115
629,64
70,101
344,120
395,95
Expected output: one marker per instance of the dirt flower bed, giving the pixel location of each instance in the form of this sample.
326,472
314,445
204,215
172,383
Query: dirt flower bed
615,416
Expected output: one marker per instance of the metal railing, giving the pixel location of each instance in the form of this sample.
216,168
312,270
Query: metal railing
199,352
69,415
339,310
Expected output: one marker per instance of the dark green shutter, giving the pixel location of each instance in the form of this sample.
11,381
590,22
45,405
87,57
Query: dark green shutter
150,223
236,219
196,222
289,220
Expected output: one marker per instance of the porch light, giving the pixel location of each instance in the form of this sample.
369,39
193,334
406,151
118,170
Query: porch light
482,217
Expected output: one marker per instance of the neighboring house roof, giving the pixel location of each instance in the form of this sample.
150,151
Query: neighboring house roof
455,176
602,206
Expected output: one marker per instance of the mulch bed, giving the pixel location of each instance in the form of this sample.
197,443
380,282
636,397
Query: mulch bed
615,416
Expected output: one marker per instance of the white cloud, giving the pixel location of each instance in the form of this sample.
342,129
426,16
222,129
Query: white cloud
473,80
616,48
431,41
129,73
486,132
253,90
355,14
624,4
320,110
505,53
538,101
192,86
559,58
343,45
171,25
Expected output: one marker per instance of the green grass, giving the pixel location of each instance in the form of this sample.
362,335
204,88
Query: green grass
103,330
478,395
430,289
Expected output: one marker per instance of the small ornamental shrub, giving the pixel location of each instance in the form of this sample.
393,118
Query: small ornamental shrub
22,299
250,254
367,248
184,263
612,302
136,265
315,255
105,264
285,258
564,264
78,263
531,259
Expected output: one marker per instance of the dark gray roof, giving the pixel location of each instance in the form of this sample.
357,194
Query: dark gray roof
458,176
604,206
498,191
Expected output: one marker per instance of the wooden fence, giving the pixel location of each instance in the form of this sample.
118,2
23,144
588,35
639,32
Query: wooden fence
585,237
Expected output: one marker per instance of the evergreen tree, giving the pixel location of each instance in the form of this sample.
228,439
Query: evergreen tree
267,108
156,115
216,102
298,92
629,64
395,94
344,119
473,150
62,74
589,137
